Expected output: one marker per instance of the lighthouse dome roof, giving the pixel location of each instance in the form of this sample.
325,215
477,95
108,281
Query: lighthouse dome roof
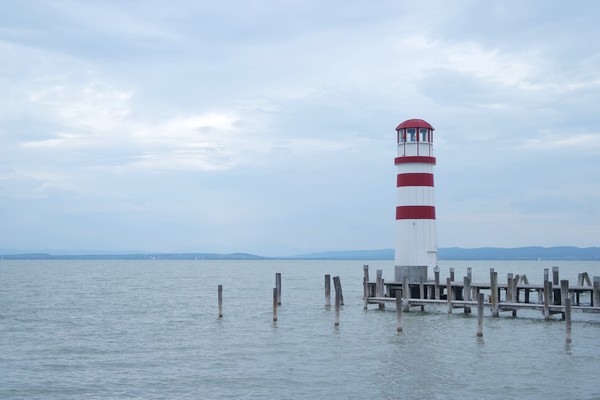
414,123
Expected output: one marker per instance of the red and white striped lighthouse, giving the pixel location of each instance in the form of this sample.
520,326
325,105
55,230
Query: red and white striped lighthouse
416,237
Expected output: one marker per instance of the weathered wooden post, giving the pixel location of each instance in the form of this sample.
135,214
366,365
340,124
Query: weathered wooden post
366,283
379,284
338,300
494,289
543,292
399,307
274,304
547,290
467,293
436,272
556,284
564,294
421,291
452,274
339,284
449,292
278,286
509,286
405,293
220,299
568,319
328,290
480,314
596,291
379,287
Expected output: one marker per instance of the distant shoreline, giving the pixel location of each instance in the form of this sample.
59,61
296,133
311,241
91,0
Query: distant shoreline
559,253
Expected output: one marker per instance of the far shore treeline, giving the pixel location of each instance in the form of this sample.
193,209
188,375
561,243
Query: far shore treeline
451,253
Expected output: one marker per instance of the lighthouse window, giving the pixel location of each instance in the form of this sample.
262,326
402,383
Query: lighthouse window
423,135
401,137
412,135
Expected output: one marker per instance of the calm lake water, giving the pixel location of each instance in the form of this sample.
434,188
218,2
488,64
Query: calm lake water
149,330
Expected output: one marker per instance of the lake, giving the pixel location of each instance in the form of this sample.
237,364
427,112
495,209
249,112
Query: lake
149,330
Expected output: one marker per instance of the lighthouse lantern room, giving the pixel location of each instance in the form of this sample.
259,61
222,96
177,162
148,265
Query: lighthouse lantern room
416,241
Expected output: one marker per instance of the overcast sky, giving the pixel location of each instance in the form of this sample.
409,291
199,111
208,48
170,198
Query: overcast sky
268,126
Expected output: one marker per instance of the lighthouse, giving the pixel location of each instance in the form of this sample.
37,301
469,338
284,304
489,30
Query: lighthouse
416,237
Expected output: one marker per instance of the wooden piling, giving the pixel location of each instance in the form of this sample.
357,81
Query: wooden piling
494,294
449,294
564,292
220,300
568,319
556,284
436,272
379,284
379,287
278,286
405,293
452,274
509,286
328,291
275,304
596,291
399,310
421,291
480,315
547,290
339,284
338,300
467,293
366,285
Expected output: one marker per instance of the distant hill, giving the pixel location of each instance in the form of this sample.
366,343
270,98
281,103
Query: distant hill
451,253
140,256
482,253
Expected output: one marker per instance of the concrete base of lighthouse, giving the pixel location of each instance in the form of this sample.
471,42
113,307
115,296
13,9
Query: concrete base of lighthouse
414,273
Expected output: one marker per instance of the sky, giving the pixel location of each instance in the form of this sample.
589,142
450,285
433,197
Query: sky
268,127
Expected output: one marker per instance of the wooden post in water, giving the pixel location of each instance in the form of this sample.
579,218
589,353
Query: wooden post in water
339,284
568,319
564,294
278,286
421,291
452,274
379,288
547,290
436,272
274,304
556,284
467,293
509,286
405,293
399,307
338,300
220,299
366,283
449,292
379,284
596,291
480,315
494,289
328,291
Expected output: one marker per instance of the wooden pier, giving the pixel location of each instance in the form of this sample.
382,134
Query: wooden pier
516,293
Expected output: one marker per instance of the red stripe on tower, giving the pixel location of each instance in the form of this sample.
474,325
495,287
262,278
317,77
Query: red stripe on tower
415,212
414,159
414,179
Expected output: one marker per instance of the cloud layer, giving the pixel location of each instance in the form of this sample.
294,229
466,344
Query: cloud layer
269,128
